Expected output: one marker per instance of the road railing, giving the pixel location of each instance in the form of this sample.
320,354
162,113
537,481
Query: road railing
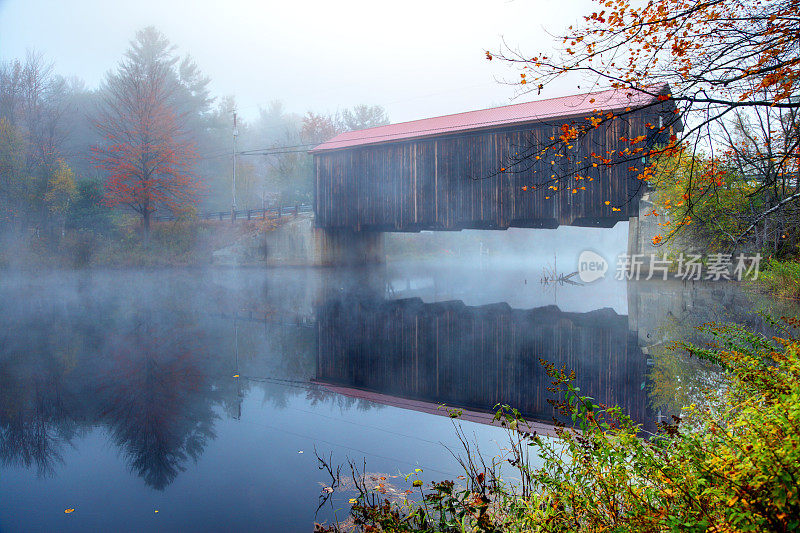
247,214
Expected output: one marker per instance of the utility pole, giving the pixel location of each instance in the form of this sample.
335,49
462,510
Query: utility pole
233,194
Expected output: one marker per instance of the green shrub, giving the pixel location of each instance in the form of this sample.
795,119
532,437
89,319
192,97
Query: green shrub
175,238
87,211
781,278
79,247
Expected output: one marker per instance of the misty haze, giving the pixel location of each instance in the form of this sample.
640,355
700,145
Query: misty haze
462,266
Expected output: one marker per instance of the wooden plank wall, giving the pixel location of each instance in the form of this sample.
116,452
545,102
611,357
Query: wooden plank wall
441,183
476,357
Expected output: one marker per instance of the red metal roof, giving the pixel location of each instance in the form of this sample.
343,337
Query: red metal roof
562,107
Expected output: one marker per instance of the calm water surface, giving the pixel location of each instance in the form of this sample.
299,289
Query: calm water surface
205,394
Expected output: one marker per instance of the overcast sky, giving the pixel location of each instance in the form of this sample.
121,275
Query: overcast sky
416,58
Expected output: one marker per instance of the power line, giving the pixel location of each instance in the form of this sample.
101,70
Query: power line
277,149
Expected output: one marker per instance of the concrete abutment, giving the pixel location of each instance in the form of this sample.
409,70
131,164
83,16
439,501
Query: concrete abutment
347,247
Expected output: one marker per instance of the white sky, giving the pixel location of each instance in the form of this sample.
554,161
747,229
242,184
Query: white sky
416,58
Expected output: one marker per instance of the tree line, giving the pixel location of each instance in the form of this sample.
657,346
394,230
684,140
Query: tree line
150,139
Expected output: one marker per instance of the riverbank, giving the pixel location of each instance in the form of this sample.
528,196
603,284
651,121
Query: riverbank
170,244
728,462
781,279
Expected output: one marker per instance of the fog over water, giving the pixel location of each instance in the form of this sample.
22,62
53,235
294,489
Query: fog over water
120,395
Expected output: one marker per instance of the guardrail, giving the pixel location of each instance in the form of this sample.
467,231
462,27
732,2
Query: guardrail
248,214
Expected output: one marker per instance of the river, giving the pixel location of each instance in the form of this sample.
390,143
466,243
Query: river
199,399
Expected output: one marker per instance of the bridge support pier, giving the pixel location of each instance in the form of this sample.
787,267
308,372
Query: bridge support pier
634,245
642,229
347,247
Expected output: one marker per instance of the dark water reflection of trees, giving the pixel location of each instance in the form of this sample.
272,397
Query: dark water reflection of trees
154,370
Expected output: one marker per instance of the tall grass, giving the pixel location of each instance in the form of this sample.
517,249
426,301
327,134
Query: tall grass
781,278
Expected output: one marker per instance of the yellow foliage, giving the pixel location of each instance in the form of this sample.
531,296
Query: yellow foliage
61,188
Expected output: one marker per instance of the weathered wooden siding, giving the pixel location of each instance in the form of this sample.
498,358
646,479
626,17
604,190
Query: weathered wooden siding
476,357
441,183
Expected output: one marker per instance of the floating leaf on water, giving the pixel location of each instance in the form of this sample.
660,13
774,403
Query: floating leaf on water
352,500
236,375
68,511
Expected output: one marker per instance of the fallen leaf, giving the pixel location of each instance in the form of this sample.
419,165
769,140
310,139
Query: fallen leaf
68,511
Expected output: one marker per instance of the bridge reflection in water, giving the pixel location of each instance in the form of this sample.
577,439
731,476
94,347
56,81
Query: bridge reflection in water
475,357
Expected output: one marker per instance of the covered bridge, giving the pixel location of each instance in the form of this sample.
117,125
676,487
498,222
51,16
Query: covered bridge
456,172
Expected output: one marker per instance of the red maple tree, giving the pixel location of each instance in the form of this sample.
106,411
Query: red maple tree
147,155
